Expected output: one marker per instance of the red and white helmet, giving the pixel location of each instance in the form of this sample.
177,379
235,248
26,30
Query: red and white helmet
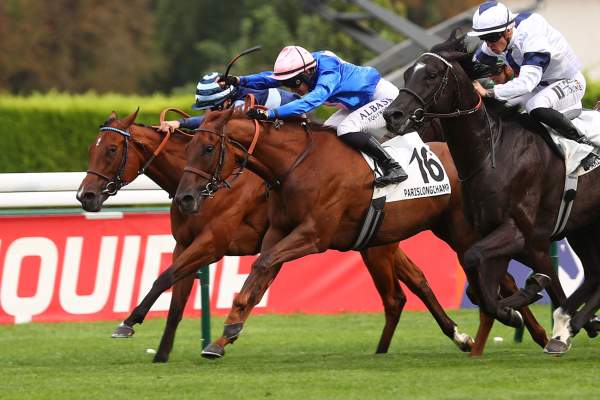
291,61
491,17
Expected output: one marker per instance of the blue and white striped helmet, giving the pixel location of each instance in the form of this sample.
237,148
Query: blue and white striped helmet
209,94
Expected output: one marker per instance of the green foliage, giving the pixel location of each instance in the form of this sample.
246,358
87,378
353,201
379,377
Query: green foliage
291,357
52,132
592,94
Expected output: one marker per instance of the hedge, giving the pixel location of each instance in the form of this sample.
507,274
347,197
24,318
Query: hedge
52,132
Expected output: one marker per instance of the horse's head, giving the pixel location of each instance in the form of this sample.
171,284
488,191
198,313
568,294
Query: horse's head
210,162
111,163
434,87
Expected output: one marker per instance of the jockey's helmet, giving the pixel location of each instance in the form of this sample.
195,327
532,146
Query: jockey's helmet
209,94
490,21
292,65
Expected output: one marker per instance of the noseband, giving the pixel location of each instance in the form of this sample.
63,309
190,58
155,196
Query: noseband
419,115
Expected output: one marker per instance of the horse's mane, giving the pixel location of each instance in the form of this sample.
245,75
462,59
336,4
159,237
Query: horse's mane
238,113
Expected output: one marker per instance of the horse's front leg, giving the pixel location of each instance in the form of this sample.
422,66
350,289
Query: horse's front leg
276,250
489,257
203,251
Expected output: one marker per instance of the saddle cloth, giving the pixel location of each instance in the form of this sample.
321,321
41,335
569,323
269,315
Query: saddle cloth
426,174
588,123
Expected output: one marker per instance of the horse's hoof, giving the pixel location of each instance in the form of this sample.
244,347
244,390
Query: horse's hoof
160,358
464,342
213,351
556,347
592,327
232,331
541,280
122,331
517,318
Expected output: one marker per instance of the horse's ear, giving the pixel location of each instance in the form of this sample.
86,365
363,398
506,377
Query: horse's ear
130,119
225,117
113,115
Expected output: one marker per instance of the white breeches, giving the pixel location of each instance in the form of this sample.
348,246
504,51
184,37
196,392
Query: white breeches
563,96
368,117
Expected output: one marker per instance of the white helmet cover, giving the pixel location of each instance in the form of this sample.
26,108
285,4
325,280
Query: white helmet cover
491,17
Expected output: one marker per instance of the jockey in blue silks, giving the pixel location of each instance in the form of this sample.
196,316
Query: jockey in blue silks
323,78
210,95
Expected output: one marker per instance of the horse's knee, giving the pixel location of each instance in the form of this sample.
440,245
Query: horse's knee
473,259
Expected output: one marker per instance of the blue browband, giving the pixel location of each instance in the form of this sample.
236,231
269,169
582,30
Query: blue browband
110,128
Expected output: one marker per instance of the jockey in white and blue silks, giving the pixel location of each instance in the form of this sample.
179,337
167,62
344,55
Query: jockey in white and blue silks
548,79
210,95
323,78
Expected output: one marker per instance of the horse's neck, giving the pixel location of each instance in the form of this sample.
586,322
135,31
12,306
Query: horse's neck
469,139
166,169
276,150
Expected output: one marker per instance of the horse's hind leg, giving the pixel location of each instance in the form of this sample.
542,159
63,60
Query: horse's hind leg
416,281
538,333
181,293
380,262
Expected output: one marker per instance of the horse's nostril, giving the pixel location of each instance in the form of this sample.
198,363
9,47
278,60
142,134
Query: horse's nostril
88,196
397,114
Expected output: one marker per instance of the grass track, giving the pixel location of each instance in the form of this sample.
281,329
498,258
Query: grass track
290,357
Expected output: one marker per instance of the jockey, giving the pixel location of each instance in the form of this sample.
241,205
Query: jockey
323,78
210,95
548,80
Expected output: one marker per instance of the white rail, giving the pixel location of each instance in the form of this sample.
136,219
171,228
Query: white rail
58,189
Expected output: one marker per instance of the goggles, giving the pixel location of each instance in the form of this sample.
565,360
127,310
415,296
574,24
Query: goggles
492,37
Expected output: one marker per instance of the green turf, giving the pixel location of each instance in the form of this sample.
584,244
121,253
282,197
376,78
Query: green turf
290,357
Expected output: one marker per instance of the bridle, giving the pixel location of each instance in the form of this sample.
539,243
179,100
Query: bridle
114,184
117,182
419,115
215,182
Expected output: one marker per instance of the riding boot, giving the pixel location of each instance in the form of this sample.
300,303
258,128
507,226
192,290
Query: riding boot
556,119
392,171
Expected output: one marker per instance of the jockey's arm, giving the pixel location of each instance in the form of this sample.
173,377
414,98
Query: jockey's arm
535,61
259,81
325,86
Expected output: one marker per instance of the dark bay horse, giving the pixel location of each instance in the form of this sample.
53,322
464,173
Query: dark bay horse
512,185
321,191
231,223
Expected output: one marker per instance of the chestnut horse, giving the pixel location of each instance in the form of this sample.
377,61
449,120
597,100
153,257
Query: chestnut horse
512,185
321,191
231,223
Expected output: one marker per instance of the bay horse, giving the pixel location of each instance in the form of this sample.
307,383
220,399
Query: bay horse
321,191
512,186
231,223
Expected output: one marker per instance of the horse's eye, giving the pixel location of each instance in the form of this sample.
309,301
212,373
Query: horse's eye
431,75
209,149
112,149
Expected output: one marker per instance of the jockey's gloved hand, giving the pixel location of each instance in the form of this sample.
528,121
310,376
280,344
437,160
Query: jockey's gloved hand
257,113
228,80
